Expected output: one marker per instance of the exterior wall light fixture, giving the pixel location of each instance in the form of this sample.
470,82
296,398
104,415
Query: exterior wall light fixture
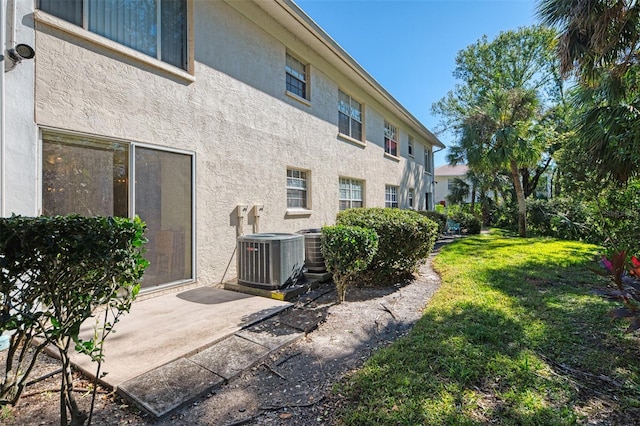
20,52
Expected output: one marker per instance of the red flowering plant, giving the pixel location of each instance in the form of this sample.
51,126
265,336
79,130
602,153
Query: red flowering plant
625,273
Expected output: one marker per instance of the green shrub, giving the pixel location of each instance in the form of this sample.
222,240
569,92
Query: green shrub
467,221
347,250
473,225
505,216
405,238
437,217
55,272
563,218
615,217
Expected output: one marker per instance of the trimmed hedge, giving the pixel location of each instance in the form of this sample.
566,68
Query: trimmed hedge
405,238
437,217
347,250
55,273
468,222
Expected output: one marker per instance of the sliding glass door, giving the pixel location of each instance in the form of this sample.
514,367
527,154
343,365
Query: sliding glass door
95,177
163,199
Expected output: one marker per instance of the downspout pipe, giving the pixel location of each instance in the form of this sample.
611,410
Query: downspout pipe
433,176
3,46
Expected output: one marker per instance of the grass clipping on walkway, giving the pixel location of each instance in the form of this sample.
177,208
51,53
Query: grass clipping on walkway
514,336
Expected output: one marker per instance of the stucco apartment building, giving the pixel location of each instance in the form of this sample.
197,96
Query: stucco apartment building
208,119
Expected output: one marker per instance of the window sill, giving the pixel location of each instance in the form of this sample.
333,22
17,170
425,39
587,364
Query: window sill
391,157
298,98
299,212
69,28
348,138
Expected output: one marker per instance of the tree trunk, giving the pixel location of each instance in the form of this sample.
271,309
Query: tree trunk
473,199
522,205
68,405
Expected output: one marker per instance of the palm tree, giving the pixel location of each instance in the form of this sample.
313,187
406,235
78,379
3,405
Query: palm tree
599,42
498,134
458,191
494,111
594,33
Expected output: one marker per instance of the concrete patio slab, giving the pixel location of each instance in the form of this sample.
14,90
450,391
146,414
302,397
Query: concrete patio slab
161,329
230,356
165,388
270,333
303,320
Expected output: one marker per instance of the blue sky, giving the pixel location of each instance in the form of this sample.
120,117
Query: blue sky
409,46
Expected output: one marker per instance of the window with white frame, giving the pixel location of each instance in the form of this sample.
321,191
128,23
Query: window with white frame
349,116
411,146
390,139
296,77
297,189
351,191
451,184
410,197
94,177
391,196
427,161
157,28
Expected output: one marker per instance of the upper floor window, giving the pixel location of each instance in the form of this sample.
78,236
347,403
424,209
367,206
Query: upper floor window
451,184
390,139
349,116
427,161
157,28
296,77
391,196
411,147
297,189
350,193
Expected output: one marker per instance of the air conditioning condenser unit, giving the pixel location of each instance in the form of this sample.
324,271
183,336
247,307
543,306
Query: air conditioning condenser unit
270,260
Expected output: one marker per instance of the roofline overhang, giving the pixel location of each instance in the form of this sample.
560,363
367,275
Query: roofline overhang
288,14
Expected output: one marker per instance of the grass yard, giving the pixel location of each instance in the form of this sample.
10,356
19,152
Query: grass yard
513,337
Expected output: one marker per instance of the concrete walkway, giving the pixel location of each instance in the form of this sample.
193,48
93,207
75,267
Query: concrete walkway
170,349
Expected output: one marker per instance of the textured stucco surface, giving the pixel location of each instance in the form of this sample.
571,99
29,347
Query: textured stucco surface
235,117
21,144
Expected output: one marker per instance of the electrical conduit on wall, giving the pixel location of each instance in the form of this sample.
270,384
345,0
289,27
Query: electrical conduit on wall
3,31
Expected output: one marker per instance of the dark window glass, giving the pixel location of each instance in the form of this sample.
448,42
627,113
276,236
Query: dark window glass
132,23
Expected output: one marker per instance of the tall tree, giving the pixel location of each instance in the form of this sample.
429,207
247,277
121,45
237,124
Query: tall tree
458,191
599,44
506,84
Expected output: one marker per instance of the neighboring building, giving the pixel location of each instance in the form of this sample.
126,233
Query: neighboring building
444,178
208,119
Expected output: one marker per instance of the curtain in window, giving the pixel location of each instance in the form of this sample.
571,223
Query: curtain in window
69,10
129,22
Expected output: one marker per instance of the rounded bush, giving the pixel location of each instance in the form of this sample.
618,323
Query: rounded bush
473,225
405,238
347,250
437,217
468,222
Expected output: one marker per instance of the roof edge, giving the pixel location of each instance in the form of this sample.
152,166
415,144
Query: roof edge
341,54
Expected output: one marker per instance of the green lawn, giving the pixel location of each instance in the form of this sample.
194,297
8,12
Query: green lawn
513,337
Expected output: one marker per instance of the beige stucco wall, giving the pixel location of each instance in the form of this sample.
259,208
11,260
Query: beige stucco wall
19,148
235,116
